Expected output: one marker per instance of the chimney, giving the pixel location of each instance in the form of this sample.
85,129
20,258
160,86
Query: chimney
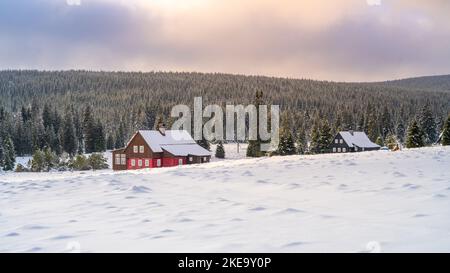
162,129
351,132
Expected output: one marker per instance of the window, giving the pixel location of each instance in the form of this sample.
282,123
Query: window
147,163
344,150
117,162
140,162
135,149
338,150
158,162
334,150
341,141
123,159
356,149
133,162
336,141
191,159
180,161
204,159
141,149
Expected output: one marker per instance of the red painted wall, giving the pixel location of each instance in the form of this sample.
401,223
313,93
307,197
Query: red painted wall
165,162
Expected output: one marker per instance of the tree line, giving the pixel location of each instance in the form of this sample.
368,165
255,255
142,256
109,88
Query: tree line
77,112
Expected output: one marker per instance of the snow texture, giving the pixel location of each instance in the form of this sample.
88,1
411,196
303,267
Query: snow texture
358,202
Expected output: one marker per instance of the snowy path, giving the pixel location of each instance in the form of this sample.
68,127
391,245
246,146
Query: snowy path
323,203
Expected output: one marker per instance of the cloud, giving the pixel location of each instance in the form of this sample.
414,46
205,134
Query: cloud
73,2
374,2
322,39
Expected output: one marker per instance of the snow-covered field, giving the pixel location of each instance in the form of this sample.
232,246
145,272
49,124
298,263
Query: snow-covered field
380,201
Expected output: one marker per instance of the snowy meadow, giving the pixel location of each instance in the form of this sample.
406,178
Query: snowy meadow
365,202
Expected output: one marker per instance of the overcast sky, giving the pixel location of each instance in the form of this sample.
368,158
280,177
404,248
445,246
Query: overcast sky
342,40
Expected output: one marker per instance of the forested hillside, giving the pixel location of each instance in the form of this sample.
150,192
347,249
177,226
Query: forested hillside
49,109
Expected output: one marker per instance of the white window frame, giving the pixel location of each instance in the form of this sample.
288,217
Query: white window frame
341,141
334,149
139,162
141,149
135,149
117,159
133,162
344,150
158,162
356,149
338,150
204,158
191,159
123,159
336,141
180,161
147,163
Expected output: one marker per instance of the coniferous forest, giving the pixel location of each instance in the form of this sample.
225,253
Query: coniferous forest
84,112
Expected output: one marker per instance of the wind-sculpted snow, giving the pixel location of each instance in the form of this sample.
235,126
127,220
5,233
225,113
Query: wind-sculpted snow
365,202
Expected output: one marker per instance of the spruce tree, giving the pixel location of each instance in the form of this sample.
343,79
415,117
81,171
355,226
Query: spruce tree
379,141
315,138
391,141
414,138
69,139
38,161
9,154
254,145
286,146
446,133
428,124
2,153
204,143
325,137
89,131
301,142
110,142
220,151
99,137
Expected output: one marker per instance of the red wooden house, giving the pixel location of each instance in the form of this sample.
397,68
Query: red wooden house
159,148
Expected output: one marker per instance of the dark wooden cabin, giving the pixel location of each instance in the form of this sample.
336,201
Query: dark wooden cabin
349,141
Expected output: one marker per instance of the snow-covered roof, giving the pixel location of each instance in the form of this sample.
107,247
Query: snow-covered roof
176,142
155,139
186,149
358,139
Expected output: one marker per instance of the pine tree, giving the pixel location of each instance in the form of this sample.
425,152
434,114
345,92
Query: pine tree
204,143
220,151
414,138
428,124
89,131
379,141
9,154
38,161
325,138
446,133
301,142
110,142
50,159
69,139
99,138
120,136
286,145
254,146
97,161
315,138
391,141
2,153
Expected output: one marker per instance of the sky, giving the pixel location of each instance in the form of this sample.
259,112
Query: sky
345,40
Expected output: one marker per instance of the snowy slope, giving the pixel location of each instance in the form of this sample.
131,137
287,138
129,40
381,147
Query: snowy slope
326,203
